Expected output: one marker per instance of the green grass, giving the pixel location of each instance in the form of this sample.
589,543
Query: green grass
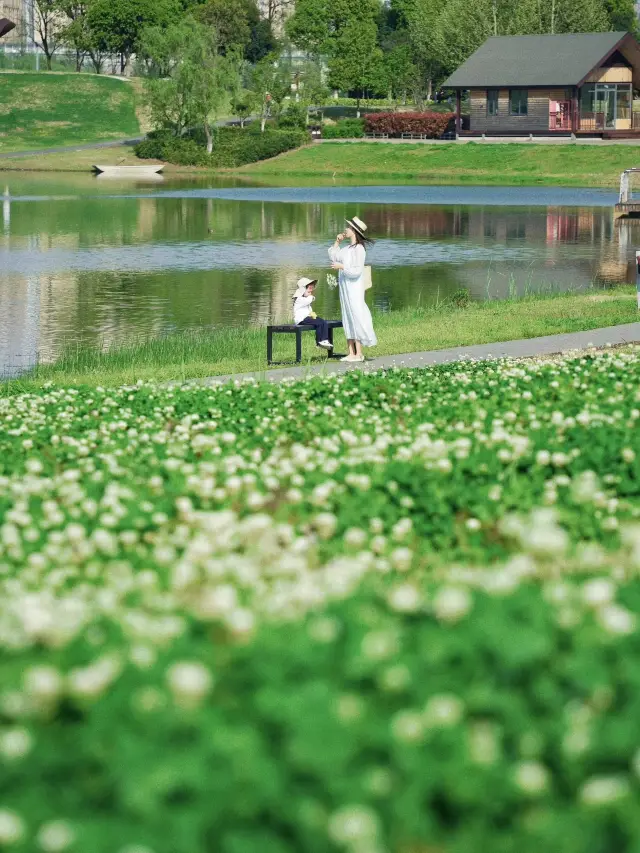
51,110
471,163
225,351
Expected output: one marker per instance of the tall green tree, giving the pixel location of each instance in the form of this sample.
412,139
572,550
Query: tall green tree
357,61
622,15
421,18
238,24
309,28
561,16
268,85
115,26
200,82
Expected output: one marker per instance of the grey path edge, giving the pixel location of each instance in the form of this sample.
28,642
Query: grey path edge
628,333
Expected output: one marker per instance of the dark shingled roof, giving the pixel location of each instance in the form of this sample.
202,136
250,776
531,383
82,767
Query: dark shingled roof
512,61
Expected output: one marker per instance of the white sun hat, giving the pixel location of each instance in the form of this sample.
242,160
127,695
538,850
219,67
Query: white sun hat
358,225
302,285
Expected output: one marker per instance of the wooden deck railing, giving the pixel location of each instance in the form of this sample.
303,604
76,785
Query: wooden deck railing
596,122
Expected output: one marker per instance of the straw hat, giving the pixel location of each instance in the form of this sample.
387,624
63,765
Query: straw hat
357,225
302,285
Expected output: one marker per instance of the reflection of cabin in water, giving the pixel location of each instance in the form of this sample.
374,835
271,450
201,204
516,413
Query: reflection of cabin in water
551,85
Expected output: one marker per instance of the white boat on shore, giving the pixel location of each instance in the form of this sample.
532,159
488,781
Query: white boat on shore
129,171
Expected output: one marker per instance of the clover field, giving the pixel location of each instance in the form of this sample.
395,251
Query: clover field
374,612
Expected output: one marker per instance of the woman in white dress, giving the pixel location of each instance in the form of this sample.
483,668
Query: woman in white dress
350,261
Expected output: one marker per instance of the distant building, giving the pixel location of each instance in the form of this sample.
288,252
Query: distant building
21,13
547,85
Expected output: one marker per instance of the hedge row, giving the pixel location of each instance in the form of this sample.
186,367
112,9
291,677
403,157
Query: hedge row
232,147
395,124
348,128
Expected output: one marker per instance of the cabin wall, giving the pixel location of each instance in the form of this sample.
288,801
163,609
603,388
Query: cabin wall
615,74
537,121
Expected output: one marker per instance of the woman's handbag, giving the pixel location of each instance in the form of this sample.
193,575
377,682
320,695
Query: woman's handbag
366,275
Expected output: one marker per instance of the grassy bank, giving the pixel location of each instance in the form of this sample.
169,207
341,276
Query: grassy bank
51,110
471,163
224,351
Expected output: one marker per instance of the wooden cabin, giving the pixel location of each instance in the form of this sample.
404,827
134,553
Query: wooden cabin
580,83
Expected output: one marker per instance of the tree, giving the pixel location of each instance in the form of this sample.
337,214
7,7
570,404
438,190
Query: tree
462,26
622,15
115,26
200,83
269,84
421,18
561,16
309,27
47,27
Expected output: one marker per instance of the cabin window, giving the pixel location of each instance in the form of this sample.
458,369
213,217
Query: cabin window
518,102
492,102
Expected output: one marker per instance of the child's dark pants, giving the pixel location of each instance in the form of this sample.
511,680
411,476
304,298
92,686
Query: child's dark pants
321,326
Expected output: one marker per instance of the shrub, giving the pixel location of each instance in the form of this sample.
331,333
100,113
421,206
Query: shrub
295,118
233,146
432,125
348,128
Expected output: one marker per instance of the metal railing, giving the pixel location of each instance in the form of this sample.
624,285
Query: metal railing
597,122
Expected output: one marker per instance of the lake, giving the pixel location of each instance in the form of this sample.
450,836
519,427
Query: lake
90,260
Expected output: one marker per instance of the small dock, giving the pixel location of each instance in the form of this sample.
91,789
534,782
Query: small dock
626,207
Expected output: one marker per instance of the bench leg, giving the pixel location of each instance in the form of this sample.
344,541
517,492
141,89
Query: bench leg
298,346
330,339
269,346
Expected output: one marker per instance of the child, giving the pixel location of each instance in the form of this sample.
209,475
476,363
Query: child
303,315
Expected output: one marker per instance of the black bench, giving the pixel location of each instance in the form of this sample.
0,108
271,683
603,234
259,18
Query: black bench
292,328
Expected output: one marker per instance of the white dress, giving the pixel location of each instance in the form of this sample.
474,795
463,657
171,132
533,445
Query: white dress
356,317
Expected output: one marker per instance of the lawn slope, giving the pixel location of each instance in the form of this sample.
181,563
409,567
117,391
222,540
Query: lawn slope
50,110
471,163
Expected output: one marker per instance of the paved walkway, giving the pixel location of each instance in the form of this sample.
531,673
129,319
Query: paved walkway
549,345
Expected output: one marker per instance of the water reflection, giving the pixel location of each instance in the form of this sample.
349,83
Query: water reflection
103,268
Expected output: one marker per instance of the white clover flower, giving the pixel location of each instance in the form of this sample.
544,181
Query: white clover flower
443,711
401,529
401,559
379,645
190,682
444,465
12,827
354,826
408,726
616,620
395,678
628,455
324,629
405,598
325,523
91,681
56,836
44,684
598,592
15,744
603,790
495,493
473,524
355,537
543,457
451,604
531,777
